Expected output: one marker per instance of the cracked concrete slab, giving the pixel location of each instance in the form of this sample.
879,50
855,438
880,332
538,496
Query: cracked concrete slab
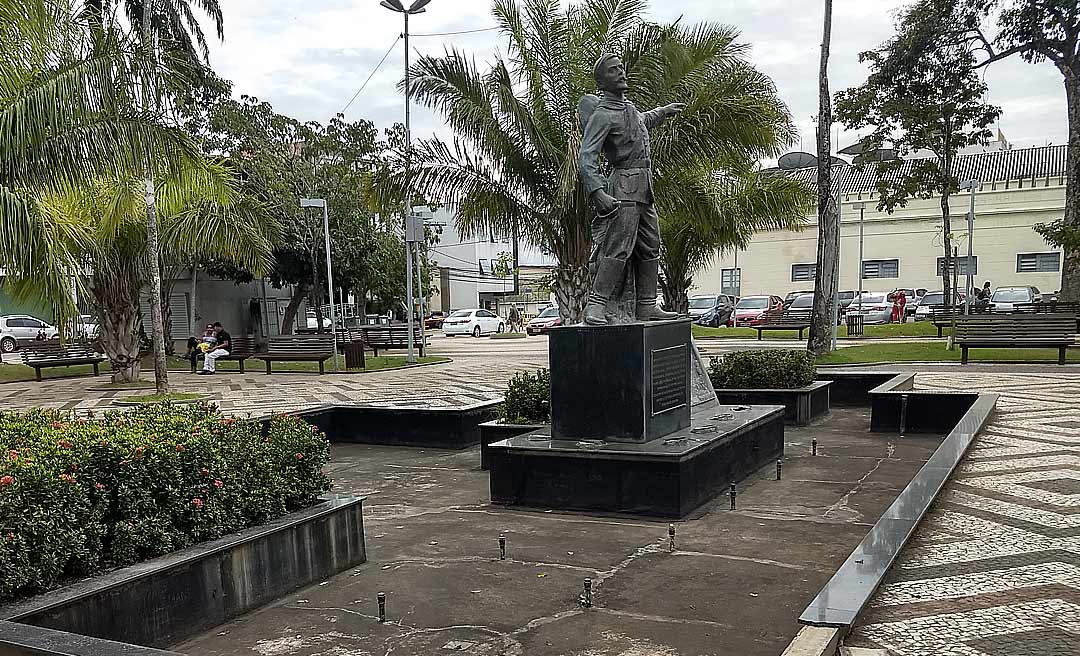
735,584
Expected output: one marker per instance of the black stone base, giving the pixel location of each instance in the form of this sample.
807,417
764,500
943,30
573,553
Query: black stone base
495,431
669,477
443,428
801,405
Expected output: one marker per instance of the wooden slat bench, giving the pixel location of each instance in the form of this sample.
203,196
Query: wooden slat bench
394,336
1015,331
942,318
1047,308
787,320
240,349
42,355
298,348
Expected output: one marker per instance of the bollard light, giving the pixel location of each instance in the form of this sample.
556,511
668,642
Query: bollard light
382,607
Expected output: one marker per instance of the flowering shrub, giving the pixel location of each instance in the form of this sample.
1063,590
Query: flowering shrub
528,398
767,369
78,495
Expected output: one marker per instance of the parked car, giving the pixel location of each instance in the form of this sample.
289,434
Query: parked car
20,329
313,321
718,315
435,319
475,322
1005,299
846,297
544,321
934,301
875,307
794,295
749,309
803,302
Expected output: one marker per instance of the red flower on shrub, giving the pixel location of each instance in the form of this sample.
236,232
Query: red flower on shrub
64,444
7,480
99,486
10,536
218,483
74,467
139,450
299,456
13,454
67,478
56,424
197,502
180,447
204,471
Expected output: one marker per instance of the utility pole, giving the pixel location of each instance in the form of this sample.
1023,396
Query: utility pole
417,7
970,185
321,202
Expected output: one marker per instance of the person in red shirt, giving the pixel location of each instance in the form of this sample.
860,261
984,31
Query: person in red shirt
899,303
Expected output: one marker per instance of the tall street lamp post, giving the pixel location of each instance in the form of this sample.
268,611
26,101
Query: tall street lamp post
417,7
970,185
861,206
321,202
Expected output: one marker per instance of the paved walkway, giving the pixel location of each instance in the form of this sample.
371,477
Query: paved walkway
994,568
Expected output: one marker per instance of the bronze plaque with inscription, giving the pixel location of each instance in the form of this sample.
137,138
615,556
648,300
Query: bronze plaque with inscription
669,378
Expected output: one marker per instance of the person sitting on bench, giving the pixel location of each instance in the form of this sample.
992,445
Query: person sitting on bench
222,347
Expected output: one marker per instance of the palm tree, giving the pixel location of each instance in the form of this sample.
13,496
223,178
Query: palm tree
202,213
737,207
172,23
67,116
512,167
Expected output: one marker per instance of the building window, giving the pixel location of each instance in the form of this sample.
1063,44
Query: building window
1038,262
961,264
881,269
803,272
731,282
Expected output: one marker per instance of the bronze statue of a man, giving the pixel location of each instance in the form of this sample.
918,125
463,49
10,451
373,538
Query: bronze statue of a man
625,229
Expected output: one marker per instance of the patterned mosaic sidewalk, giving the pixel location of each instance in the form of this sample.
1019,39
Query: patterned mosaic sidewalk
994,568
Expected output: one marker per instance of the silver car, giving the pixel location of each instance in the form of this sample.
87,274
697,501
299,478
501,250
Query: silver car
875,307
1005,299
20,329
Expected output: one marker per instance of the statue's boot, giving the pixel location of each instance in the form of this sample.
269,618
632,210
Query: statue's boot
646,274
609,272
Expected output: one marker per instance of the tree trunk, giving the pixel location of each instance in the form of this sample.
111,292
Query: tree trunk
168,283
571,291
298,294
828,255
946,239
316,302
674,286
1070,266
157,337
119,318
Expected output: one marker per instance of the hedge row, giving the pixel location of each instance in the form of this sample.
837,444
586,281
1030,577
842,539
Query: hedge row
79,495
767,369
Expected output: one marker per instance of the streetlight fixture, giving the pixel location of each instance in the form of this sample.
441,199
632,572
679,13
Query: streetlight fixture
417,7
970,185
861,206
321,202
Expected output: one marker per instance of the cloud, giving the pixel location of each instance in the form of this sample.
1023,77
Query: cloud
309,57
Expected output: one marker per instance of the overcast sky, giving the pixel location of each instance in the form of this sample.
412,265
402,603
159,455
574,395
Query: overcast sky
308,57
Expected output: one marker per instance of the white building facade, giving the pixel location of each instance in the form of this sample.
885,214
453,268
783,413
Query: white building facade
1018,189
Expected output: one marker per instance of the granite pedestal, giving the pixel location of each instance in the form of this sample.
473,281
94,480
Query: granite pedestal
636,428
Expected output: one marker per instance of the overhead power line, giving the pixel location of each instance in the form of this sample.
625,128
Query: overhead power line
373,72
481,29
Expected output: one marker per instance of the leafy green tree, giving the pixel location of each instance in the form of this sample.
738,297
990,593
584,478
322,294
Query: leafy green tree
1040,31
923,94
69,117
512,167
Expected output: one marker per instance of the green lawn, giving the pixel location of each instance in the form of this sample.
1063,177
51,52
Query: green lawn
919,329
19,372
936,352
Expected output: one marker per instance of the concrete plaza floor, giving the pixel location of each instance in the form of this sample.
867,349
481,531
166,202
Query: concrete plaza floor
735,584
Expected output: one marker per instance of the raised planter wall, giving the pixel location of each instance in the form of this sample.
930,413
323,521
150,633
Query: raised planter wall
896,407
25,640
163,601
494,431
445,428
801,406
852,388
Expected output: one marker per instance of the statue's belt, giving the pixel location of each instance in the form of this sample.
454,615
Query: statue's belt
632,166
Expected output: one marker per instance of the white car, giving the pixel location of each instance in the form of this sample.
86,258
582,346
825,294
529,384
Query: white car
86,327
20,329
875,307
473,322
1005,299
313,321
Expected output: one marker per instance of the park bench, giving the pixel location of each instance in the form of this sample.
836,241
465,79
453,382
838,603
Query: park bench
42,355
942,317
786,320
394,336
298,348
1047,308
240,349
1015,331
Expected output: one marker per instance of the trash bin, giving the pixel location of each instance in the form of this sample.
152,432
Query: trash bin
855,325
354,354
